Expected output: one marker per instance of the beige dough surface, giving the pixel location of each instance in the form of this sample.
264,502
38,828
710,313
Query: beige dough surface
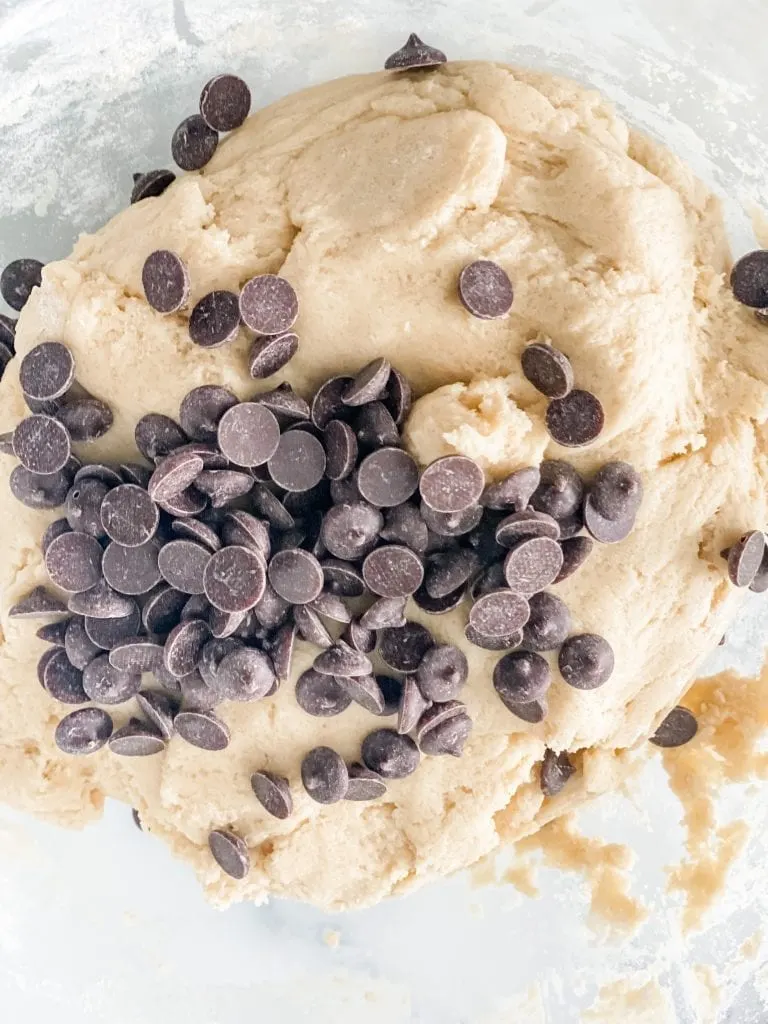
370,194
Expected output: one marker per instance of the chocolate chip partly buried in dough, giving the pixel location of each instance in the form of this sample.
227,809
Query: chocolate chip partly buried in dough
299,461
575,420
136,654
202,408
606,531
157,435
235,578
296,575
549,623
136,739
744,558
132,571
202,729
340,449
193,143
151,184
37,490
249,435
499,614
749,279
575,550
533,565
375,427
83,731
530,523
328,403
73,561
390,754
451,484
485,290
341,661
513,492
268,304
62,680
53,632
42,444
47,371
521,677
679,727
165,281
364,784
402,648
412,705
547,369
442,672
393,571
230,852
107,685
324,775
273,793
556,769
38,603
225,102
369,384
359,638
215,319
18,279
414,54
388,477
616,491
586,661
350,531
184,645
271,353
343,578
129,516
101,602
244,674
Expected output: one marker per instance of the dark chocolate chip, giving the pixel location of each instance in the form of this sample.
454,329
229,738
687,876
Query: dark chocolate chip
556,769
393,571
249,434
391,690
388,477
452,484
412,705
560,491
194,529
586,661
230,852
340,449
45,657
39,603
341,661
215,319
390,754
387,612
106,633
196,607
369,385
212,655
273,793
271,610
132,571
243,529
321,695
679,727
8,332
235,578
107,685
533,565
607,531
62,680
375,427
311,627
745,557
39,491
101,602
86,419
162,609
223,486
332,607
18,279
575,420
491,578
351,531
575,550
271,353
296,576
521,677
47,371
365,691
79,647
83,731
402,648
73,561
281,651
485,290
364,784
513,492
520,525
405,525
328,403
324,775
507,642
52,531
549,623
298,463
136,739
414,54
439,605
447,571
616,491
96,471
42,444
359,638
193,143
268,304
184,646
157,435
760,583
749,279
202,408
244,674
185,504
571,525
442,672
451,524
399,398
83,506
547,369
202,729
129,516
165,281
152,183
225,102
444,729
343,578
174,474
499,614
345,492
136,654
53,632
224,624
6,355
287,406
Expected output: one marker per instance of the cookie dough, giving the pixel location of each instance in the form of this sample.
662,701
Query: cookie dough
370,194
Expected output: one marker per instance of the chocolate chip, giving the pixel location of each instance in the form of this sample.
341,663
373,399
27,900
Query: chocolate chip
533,712
390,754
136,654
79,647
129,516
224,624
324,775
136,739
451,524
556,769
225,102
86,419
230,852
243,529
514,491
533,565
201,411
311,627
485,290
442,672
101,602
760,583
296,576
281,651
388,477
607,531
404,525
193,143
160,709
298,463
41,444
39,491
586,661
105,633
235,578
364,784
45,657
18,279
520,525
271,353
414,54
506,642
212,655
575,550
195,530
402,648
321,695
52,531
165,281
152,183
499,614
369,385
83,506
132,571
332,607
223,486
38,603
271,610
341,449
184,646
62,680
575,420
273,510
350,531
53,632
444,729
387,612
289,408
399,398
162,609
8,333
185,504
244,674
157,435
447,571
6,441
365,691
215,319
393,571
521,676
202,729
268,304
96,471
547,369
749,279
375,427
679,727
439,605
616,491
451,484
745,557
196,607
83,731
73,561
359,638
548,624
248,434
341,661
107,685
412,705
489,579
328,403
343,578
273,793
47,371
560,491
